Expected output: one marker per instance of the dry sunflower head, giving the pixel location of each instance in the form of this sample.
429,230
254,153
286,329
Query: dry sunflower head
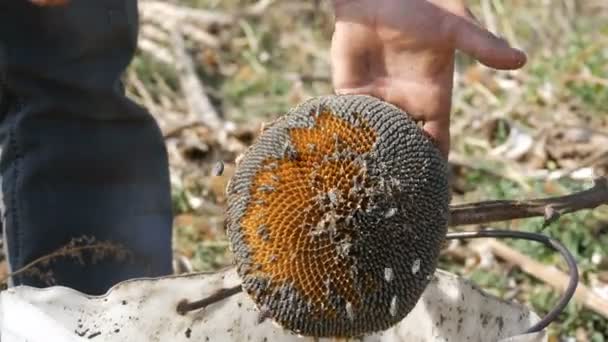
336,215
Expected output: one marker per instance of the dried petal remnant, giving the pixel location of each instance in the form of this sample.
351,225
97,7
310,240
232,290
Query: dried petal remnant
330,197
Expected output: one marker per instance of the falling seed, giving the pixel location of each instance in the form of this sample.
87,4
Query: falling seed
356,188
416,266
263,232
319,229
349,220
390,213
266,188
333,198
349,311
393,307
327,284
388,274
318,111
218,169
263,314
288,151
239,158
336,141
271,166
345,248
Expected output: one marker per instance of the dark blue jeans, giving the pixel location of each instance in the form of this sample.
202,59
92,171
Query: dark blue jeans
78,158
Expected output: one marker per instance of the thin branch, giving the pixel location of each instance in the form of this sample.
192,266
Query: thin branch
551,208
185,306
101,248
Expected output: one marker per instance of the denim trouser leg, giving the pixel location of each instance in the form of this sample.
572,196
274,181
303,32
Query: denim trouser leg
78,158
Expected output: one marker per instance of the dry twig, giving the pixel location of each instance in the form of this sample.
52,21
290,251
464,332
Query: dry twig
550,208
75,249
185,306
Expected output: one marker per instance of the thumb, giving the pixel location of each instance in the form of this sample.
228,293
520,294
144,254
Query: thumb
487,48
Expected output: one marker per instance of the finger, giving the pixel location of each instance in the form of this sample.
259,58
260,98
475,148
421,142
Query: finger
481,44
439,132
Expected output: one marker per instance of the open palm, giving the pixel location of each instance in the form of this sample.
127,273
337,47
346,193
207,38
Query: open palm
402,51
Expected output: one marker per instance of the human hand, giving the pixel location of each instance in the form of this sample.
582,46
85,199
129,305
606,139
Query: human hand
49,2
402,51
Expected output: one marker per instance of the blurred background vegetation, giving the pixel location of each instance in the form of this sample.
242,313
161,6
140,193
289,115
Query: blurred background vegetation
538,131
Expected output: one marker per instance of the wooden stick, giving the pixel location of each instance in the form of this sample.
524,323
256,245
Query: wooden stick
551,276
551,208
